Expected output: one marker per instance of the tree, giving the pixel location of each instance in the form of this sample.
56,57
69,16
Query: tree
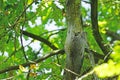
59,39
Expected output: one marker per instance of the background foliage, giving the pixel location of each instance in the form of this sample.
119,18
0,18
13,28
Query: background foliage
20,51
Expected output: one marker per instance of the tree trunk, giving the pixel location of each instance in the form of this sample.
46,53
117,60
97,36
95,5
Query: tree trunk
75,41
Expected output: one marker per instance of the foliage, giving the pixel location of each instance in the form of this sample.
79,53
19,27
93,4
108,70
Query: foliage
112,67
46,19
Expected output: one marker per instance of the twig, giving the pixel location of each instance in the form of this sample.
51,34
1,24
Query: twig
21,36
16,51
18,18
97,55
56,52
87,74
112,34
63,29
27,77
42,40
68,70
16,21
10,78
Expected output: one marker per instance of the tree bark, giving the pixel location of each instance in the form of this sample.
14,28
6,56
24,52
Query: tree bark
74,45
94,19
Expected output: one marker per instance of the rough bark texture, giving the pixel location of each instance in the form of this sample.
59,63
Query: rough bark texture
95,28
74,46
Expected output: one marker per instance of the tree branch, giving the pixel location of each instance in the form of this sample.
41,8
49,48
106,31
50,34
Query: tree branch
56,52
113,35
86,2
97,55
21,14
96,33
40,39
48,43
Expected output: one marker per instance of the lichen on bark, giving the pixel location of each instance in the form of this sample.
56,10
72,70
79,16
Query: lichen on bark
75,41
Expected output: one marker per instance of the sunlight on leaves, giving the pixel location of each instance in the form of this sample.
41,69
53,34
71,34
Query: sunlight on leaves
32,74
116,51
47,2
23,68
105,70
112,67
33,66
102,25
46,16
29,2
119,77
